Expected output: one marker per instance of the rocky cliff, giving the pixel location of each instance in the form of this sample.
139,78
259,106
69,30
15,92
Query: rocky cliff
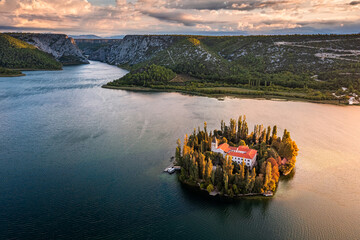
133,49
63,48
17,54
295,53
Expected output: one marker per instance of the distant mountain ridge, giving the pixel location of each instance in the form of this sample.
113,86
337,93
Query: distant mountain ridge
91,36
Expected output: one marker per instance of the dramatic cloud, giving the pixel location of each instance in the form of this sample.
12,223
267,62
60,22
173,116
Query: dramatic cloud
217,5
180,16
354,3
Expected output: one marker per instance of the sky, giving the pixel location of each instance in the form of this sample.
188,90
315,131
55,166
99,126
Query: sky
213,17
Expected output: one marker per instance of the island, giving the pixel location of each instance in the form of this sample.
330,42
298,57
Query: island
233,163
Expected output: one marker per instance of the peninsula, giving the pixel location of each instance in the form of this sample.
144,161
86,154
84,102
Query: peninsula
316,68
233,163
35,51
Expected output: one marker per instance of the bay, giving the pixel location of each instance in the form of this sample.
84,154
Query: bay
81,162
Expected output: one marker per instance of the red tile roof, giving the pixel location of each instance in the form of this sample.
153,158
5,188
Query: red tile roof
250,154
225,147
284,161
243,148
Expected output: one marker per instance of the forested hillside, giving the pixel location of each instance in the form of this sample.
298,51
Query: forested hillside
60,46
314,67
147,76
17,54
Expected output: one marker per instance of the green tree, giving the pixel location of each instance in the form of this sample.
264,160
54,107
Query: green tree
210,188
226,181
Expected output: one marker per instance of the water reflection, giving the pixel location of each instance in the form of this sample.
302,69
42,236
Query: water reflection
78,161
245,205
288,177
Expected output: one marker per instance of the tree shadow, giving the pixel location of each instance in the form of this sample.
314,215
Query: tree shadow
288,177
244,205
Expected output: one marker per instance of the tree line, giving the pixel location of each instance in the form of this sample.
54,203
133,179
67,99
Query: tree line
146,77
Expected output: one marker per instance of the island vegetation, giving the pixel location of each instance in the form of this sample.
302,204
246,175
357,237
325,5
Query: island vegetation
218,174
289,67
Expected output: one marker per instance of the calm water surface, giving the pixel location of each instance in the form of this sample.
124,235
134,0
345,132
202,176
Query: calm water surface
78,161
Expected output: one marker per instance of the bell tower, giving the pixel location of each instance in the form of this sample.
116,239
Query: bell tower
214,144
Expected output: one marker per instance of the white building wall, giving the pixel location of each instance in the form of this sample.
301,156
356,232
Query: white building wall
248,162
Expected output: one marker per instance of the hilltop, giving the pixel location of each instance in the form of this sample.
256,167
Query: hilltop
312,67
60,46
35,51
17,54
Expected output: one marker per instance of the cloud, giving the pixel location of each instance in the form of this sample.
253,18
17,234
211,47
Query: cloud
217,5
353,3
47,17
178,16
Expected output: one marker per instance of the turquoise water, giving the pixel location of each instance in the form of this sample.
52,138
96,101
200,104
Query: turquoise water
81,162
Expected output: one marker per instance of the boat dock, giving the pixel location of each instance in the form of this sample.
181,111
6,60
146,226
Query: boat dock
172,168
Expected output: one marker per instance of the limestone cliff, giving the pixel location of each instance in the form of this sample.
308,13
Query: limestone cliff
294,53
133,49
62,47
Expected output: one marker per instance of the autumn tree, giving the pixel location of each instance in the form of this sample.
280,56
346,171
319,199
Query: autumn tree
274,135
268,132
268,177
208,170
202,166
178,159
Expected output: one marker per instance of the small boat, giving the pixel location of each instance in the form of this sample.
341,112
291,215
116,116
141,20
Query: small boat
268,194
171,170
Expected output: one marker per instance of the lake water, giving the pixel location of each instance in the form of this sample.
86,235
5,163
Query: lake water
78,161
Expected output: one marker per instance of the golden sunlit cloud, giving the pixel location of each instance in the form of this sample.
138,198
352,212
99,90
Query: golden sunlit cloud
174,16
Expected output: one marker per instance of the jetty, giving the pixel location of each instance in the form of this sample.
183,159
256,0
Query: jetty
172,168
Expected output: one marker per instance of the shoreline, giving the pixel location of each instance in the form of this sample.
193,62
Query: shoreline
222,96
30,69
13,75
217,194
27,69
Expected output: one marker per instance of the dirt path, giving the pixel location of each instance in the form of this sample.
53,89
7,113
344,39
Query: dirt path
339,54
